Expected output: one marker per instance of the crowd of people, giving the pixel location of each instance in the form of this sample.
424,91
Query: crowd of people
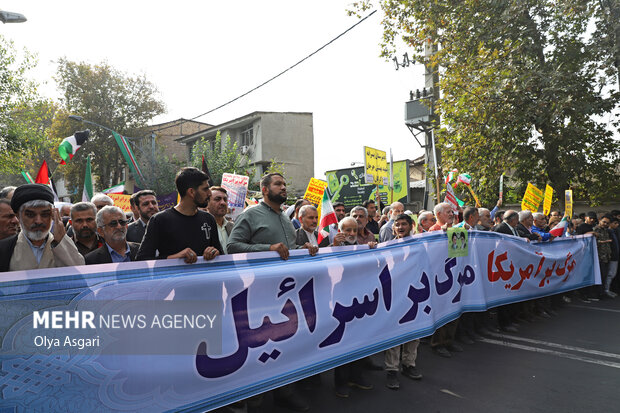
34,234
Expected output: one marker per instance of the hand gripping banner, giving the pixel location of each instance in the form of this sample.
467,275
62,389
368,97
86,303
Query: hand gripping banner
162,335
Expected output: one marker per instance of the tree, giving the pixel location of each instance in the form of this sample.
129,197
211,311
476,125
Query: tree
23,115
159,170
524,86
220,158
102,94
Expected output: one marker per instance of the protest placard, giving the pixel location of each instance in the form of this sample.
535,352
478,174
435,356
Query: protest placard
237,188
532,198
548,199
375,166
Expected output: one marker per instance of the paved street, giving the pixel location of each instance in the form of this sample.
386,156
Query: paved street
570,363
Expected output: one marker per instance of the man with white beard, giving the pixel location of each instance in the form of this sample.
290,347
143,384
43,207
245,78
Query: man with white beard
42,242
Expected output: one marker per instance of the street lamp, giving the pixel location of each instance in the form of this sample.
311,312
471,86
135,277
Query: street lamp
10,17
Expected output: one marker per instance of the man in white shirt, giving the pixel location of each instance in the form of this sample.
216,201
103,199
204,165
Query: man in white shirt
218,207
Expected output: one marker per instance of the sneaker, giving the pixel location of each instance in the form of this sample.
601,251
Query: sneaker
342,390
442,351
411,372
509,329
392,381
454,348
361,383
566,299
465,340
610,294
613,294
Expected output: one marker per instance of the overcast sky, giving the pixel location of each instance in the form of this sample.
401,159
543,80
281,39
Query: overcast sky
201,54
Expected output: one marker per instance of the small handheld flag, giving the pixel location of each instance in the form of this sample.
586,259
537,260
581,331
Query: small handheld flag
69,145
560,229
328,217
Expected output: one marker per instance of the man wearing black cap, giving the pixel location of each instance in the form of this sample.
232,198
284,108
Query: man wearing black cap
42,242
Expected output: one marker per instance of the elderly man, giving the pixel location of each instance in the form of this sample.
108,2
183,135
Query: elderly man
84,227
470,218
509,225
426,220
309,218
38,245
524,227
184,231
364,236
8,219
386,233
218,207
485,222
266,228
540,223
402,227
146,205
298,204
100,200
112,227
445,217
442,341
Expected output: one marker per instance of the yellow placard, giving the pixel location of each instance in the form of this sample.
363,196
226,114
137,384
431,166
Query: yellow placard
375,166
314,193
121,201
548,199
532,198
568,203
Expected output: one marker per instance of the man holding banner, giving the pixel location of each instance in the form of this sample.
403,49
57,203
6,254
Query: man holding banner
183,231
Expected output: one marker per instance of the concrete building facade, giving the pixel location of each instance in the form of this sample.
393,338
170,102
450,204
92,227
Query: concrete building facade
287,137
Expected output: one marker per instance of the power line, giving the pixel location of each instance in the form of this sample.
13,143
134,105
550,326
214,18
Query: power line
276,76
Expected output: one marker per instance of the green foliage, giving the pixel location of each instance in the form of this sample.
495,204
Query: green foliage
159,170
23,115
524,88
220,158
101,94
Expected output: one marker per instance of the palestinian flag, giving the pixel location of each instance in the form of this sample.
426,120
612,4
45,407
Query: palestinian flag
328,217
45,177
560,229
69,146
116,189
130,158
87,192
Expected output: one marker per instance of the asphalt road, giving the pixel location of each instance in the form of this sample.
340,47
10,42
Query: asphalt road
569,363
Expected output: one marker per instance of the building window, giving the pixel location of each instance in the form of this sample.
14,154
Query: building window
247,136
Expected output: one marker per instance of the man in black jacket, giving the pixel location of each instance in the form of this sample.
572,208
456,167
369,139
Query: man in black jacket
526,220
146,205
509,226
112,227
308,216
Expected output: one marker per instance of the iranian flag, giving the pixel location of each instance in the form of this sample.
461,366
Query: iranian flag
87,192
560,229
116,189
451,198
130,158
69,146
328,217
464,178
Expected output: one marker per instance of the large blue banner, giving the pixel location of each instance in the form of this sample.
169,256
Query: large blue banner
163,335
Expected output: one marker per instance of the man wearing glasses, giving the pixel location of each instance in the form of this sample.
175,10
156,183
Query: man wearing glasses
112,227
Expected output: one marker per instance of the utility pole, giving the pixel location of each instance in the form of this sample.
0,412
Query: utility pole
431,81
420,116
